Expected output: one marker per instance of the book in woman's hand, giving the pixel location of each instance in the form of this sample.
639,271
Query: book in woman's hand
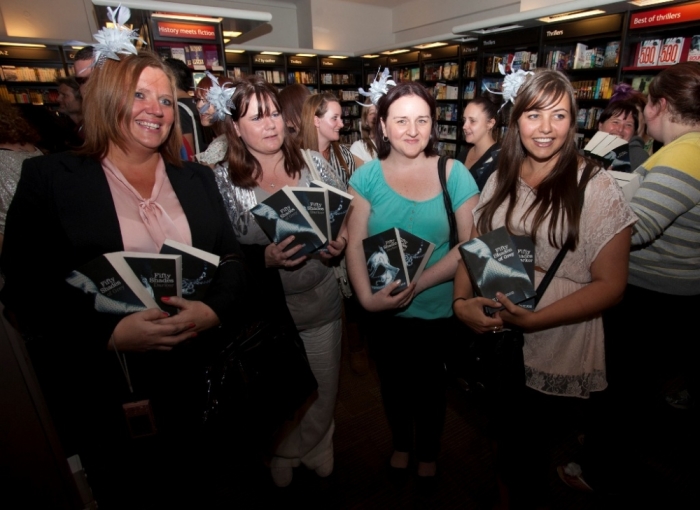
198,268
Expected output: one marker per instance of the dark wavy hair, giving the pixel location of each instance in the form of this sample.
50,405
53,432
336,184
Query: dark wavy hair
408,88
557,201
13,126
626,107
243,167
679,85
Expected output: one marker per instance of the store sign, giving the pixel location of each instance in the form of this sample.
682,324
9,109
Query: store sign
666,16
185,30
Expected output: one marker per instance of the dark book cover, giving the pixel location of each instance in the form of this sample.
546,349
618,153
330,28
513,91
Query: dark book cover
315,201
611,151
385,260
494,266
113,284
281,215
416,253
164,52
526,253
161,275
198,268
338,205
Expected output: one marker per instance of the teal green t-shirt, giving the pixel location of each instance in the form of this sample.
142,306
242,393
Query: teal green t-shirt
427,219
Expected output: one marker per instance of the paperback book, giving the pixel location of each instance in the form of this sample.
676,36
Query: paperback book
526,254
198,268
610,150
338,205
416,253
494,266
315,201
160,274
385,260
282,215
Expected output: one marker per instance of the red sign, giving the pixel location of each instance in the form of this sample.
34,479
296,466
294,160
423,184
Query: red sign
668,16
186,30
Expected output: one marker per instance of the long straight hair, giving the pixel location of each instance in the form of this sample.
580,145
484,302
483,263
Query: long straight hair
243,167
557,199
316,105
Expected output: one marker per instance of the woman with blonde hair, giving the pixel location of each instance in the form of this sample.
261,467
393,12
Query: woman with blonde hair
365,149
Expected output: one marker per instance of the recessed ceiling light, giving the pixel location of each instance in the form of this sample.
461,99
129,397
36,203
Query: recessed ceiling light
306,54
430,45
231,33
484,31
571,15
234,51
337,56
395,52
270,52
369,56
24,45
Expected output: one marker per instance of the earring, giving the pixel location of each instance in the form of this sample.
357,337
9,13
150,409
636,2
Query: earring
385,139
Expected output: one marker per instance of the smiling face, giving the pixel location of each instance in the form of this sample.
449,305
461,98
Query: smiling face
408,126
262,133
621,125
329,125
476,124
544,131
152,113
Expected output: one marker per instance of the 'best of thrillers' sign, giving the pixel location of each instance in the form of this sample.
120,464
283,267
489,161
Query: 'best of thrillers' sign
666,16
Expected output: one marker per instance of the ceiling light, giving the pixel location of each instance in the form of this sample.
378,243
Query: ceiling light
369,56
24,45
168,15
231,33
270,52
306,54
570,15
337,56
467,39
234,51
430,45
197,10
484,31
395,52
642,3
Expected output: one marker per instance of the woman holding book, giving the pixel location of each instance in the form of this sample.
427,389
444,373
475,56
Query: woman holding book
263,158
621,118
537,191
402,189
480,156
127,189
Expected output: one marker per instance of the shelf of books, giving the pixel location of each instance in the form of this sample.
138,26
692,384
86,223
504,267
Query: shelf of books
270,68
470,55
303,70
237,64
660,38
28,75
511,52
404,66
342,78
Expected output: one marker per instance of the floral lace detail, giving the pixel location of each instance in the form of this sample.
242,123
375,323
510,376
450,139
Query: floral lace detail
215,153
566,385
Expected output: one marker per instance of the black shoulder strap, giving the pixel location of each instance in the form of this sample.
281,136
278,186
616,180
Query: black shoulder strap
442,174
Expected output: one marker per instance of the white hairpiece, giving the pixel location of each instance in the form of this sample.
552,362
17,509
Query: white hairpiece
115,40
378,88
511,84
220,98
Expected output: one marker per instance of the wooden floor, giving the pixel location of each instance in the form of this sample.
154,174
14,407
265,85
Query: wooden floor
466,478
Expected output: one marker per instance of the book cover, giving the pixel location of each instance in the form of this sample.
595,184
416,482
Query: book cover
416,253
161,275
580,56
671,51
694,52
315,201
281,215
385,260
494,266
628,182
338,205
179,53
197,54
610,150
211,57
115,287
526,254
648,53
198,268
612,54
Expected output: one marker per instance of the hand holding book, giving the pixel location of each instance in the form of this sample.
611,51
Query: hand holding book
277,255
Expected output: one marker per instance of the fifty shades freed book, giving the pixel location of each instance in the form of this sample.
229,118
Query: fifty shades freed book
198,268
494,266
160,274
385,260
281,215
526,253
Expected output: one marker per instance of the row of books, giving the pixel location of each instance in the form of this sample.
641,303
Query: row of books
470,90
28,96
198,57
272,76
352,110
405,74
446,71
125,282
524,60
602,88
446,132
444,91
338,79
346,95
666,52
469,70
583,57
40,74
447,112
354,124
303,77
447,149
588,117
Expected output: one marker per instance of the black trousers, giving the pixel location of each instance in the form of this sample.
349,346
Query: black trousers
410,364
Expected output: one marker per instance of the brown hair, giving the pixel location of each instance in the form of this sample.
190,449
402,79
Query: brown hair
626,107
13,127
108,102
317,106
679,85
219,127
366,128
557,199
243,167
292,100
408,88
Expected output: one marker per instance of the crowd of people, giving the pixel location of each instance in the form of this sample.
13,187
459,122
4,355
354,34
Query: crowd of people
146,171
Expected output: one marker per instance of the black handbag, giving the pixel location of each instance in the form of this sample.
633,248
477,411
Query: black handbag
260,378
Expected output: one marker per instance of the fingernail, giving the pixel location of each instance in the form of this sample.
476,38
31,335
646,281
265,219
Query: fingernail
166,314
398,282
192,324
165,298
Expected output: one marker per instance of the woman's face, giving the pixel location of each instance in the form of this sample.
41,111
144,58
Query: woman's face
476,124
543,132
408,126
372,116
262,134
329,125
204,118
152,113
621,125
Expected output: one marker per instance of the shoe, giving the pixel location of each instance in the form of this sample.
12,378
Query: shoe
680,400
282,476
325,469
572,476
358,362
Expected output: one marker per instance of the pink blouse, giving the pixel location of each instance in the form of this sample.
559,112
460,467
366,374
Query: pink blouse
146,223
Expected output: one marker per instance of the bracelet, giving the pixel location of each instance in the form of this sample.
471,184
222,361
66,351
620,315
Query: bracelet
458,299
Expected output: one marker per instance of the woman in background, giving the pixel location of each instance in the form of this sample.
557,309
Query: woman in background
292,98
621,118
480,155
219,122
365,149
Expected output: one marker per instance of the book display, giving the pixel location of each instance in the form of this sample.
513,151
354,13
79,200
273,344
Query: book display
28,75
441,76
342,78
197,43
237,64
303,70
270,68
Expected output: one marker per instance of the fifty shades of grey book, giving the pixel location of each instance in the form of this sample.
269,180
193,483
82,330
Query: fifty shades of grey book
338,205
526,253
416,253
160,274
385,260
315,201
198,268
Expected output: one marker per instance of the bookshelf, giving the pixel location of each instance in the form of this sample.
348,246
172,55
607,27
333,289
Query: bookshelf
28,75
270,68
342,78
405,66
237,65
303,70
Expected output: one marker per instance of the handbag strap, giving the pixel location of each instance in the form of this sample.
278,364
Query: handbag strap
451,220
542,287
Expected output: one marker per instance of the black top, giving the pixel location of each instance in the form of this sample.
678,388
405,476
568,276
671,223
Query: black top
485,165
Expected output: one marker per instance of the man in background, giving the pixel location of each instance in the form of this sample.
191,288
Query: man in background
83,64
70,102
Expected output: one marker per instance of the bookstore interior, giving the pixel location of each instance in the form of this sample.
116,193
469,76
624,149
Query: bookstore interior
597,49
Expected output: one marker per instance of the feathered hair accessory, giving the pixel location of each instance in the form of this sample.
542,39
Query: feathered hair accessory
219,97
116,40
511,84
378,88
621,92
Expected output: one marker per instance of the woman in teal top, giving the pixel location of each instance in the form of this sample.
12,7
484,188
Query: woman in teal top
402,189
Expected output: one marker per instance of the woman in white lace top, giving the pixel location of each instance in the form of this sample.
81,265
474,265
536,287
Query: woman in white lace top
535,192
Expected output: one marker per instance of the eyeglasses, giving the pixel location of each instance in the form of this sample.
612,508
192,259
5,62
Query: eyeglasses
81,80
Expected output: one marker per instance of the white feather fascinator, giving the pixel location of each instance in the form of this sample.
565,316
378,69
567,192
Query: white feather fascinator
116,40
511,84
220,98
378,88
